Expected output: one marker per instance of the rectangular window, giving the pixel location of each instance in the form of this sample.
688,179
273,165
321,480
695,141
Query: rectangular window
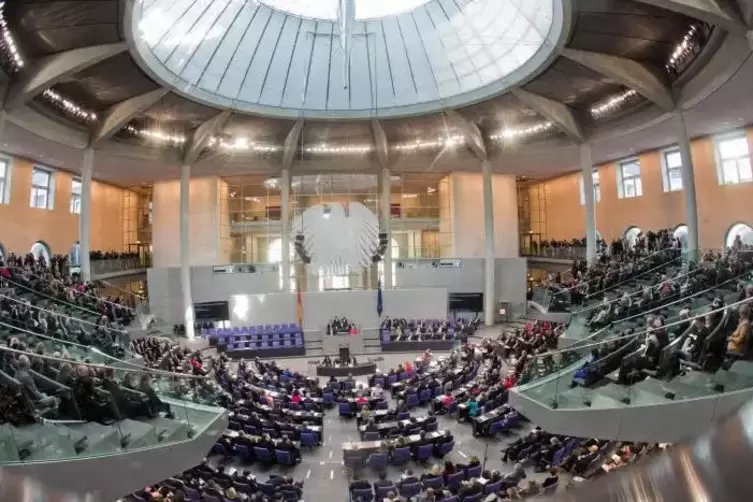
629,179
4,181
672,170
733,159
41,181
597,188
76,196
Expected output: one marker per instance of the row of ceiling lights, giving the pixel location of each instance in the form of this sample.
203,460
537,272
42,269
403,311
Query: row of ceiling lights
683,49
8,44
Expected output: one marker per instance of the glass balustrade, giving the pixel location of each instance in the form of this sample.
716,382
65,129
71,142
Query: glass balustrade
562,298
690,295
82,409
555,380
82,318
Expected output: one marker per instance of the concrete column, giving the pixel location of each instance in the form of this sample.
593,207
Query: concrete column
285,217
185,251
489,297
586,166
385,204
688,183
85,218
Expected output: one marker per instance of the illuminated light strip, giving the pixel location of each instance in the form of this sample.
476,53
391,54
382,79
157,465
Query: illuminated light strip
513,133
412,146
8,43
683,49
613,103
324,148
241,144
155,135
68,106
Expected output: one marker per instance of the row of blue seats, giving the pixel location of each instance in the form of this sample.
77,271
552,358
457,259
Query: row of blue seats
401,456
264,345
252,330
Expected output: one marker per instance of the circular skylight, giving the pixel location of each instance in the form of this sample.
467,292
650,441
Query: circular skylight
328,9
317,59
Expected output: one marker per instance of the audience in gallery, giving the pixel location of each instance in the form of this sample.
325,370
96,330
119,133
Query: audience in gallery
76,391
33,276
623,260
340,326
112,255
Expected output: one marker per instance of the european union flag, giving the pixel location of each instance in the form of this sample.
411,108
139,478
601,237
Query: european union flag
380,306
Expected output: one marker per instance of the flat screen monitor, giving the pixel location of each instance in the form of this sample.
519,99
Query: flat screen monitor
467,302
212,311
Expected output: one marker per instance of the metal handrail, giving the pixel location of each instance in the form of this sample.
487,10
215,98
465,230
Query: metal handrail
59,314
643,332
140,369
679,300
96,298
637,292
644,258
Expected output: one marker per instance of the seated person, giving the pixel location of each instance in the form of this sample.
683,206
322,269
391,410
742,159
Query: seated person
470,488
433,473
383,482
41,401
511,479
422,441
737,343
552,479
408,478
359,484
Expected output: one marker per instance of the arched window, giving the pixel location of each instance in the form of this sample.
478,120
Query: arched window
2,253
41,249
681,233
395,248
745,232
631,236
274,255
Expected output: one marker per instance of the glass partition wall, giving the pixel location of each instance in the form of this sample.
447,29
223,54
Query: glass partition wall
339,217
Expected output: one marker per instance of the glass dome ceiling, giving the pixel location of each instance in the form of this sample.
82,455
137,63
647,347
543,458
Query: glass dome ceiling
328,9
343,58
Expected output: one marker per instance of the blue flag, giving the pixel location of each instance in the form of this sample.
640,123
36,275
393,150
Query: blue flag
380,307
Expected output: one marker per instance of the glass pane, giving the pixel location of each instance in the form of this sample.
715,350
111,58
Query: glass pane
629,186
76,187
40,178
3,168
730,172
673,159
743,168
735,147
631,169
638,187
675,179
39,198
597,193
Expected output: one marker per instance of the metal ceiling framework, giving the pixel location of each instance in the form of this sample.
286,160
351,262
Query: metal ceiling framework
47,71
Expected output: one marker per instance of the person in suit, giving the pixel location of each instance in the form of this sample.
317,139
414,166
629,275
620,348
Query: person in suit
382,482
408,478
29,387
359,484
154,402
287,445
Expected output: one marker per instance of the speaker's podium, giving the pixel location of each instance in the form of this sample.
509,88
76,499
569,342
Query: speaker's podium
335,344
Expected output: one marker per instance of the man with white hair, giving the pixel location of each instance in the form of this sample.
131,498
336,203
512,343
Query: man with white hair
30,390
